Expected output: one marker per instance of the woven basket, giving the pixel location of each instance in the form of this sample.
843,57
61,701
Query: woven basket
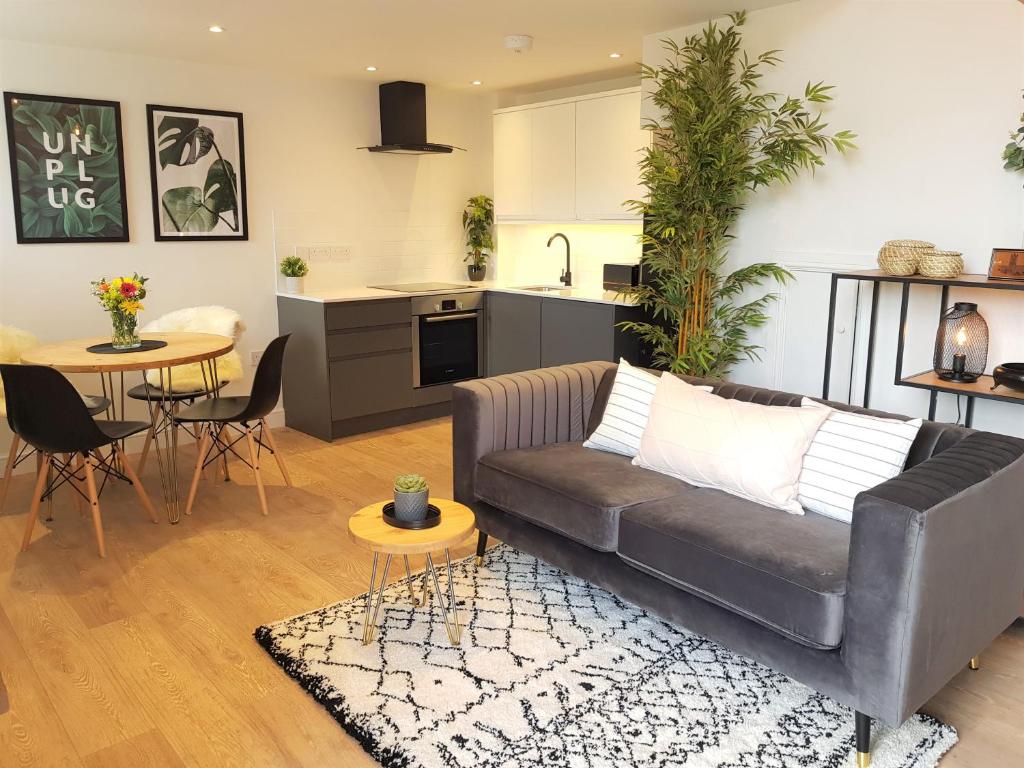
943,264
900,258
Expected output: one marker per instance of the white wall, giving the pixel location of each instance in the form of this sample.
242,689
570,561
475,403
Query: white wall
932,89
306,182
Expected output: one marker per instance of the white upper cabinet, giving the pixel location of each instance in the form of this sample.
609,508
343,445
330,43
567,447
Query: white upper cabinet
608,143
554,136
569,160
513,165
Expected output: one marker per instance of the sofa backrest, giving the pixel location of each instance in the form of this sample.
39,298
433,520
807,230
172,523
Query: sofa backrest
933,438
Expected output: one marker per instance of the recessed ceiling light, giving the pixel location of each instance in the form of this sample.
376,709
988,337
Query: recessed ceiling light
476,82
371,68
216,28
614,55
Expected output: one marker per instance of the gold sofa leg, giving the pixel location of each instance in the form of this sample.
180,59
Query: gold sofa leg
974,663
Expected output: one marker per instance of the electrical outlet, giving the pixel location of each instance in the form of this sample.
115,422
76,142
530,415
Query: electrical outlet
254,358
341,252
319,253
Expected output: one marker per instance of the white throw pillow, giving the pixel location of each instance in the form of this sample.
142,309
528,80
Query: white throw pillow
851,453
625,415
749,450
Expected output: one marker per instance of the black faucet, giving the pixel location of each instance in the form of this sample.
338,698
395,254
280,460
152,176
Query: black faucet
566,278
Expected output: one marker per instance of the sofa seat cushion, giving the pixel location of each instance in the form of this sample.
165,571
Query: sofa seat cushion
570,489
783,571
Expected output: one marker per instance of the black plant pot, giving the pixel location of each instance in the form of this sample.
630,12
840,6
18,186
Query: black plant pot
477,273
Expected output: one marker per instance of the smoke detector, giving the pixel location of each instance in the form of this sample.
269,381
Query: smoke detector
519,43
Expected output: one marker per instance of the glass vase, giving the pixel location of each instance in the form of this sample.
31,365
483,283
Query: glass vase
124,334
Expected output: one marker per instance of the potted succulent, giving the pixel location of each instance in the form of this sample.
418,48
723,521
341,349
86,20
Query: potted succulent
294,269
411,497
478,223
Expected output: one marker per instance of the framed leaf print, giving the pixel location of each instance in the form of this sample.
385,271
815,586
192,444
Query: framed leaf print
67,169
197,167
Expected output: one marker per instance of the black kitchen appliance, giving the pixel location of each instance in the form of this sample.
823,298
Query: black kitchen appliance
403,121
618,277
447,338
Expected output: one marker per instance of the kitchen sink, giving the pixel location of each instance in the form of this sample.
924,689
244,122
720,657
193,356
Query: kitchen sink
561,290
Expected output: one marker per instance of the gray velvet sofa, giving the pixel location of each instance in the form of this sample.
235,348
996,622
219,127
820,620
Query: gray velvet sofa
878,615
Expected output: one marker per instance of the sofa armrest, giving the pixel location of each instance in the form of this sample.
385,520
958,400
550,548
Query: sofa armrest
519,410
936,571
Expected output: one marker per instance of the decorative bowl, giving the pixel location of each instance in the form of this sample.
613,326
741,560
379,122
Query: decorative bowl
1009,375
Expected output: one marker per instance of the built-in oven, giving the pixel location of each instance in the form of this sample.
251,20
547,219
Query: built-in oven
447,338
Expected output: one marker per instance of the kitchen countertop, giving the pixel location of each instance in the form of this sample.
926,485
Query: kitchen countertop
594,295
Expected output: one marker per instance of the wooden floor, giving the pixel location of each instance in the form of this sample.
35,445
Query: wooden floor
147,658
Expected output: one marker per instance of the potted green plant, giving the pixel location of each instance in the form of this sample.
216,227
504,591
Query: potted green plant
478,225
411,497
294,270
719,138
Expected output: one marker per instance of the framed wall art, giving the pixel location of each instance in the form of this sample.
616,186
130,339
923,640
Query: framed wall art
67,169
1006,264
197,168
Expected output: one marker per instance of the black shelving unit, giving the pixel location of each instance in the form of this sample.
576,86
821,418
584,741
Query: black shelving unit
983,388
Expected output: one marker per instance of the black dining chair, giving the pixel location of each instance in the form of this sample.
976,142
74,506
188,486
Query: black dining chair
18,452
48,414
226,421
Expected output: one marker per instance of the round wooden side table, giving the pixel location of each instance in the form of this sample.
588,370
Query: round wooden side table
368,529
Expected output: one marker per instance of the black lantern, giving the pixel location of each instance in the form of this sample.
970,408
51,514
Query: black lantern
961,344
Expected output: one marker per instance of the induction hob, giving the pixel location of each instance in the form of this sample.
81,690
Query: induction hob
421,287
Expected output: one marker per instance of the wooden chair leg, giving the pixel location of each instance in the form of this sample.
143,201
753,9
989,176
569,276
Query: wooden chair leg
277,453
254,458
80,484
150,436
12,455
37,494
94,505
221,437
140,490
204,447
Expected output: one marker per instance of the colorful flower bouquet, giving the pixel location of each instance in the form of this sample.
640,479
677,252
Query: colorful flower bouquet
122,298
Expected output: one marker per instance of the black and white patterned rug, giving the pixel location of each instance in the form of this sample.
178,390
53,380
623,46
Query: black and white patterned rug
553,671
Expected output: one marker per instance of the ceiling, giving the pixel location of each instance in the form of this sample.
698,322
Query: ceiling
442,42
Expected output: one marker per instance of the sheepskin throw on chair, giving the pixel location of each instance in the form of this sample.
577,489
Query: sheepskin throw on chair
212,319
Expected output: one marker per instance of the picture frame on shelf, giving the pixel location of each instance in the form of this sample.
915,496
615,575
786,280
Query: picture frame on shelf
197,173
67,169
1006,264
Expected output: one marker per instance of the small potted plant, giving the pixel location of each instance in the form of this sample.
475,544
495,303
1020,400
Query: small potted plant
410,497
478,223
122,298
294,269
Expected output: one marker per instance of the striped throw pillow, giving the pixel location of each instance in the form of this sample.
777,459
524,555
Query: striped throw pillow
851,453
625,416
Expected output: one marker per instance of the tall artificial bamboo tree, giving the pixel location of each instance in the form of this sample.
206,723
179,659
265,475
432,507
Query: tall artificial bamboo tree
719,138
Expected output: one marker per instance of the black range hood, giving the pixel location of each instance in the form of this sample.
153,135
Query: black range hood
403,121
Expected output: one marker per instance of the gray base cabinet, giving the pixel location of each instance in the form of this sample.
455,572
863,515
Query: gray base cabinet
513,333
528,332
349,367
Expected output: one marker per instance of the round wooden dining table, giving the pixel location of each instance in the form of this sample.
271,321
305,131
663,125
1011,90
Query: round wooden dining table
73,356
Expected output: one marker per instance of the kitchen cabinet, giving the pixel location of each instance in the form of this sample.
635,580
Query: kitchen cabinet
513,333
580,331
609,138
348,367
570,160
533,173
513,166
